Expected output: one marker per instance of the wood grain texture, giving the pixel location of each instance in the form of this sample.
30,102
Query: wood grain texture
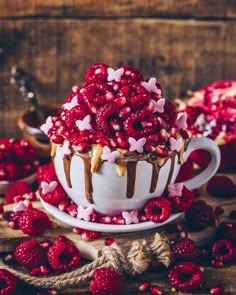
182,54
120,8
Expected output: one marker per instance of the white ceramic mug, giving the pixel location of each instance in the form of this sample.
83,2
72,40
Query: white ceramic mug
111,194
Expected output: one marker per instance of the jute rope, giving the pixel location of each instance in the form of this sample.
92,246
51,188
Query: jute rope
136,261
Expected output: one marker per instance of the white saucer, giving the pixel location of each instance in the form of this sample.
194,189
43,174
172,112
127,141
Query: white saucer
111,228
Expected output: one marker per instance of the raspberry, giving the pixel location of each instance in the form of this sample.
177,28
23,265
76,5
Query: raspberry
23,152
182,203
33,222
98,93
186,250
13,170
133,125
223,250
221,186
170,113
200,215
63,255
131,75
105,115
97,72
77,113
106,282
30,254
17,189
185,276
54,197
158,209
46,173
13,220
8,283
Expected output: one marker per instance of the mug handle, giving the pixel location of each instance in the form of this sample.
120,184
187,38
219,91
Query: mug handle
205,144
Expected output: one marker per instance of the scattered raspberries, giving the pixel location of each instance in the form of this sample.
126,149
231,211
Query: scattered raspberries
19,189
185,276
106,282
63,255
8,283
199,216
33,222
183,202
158,209
223,250
186,250
221,186
111,107
30,254
55,196
17,159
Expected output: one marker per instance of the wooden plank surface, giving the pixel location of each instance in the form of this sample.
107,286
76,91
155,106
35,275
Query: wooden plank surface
181,54
224,276
120,8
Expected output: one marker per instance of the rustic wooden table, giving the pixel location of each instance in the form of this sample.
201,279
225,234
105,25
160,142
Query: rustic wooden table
225,276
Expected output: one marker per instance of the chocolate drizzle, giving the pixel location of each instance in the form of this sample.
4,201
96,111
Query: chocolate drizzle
131,176
155,174
66,163
88,179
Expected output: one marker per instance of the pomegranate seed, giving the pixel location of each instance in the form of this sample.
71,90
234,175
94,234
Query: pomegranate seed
153,137
105,219
57,139
142,218
173,132
88,235
144,286
63,205
82,147
227,225
179,226
93,108
233,214
44,270
115,125
94,217
124,112
216,290
28,204
121,142
72,210
150,148
30,197
183,234
155,290
120,101
12,224
162,136
46,244
1,209
162,152
109,241
36,272
201,268
149,107
112,142
109,97
146,124
216,221
9,258
216,263
118,220
52,292
219,210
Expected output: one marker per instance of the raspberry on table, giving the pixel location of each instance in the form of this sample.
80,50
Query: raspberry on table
186,250
63,255
54,197
33,222
183,202
8,282
200,215
185,276
106,281
17,189
30,254
223,250
158,209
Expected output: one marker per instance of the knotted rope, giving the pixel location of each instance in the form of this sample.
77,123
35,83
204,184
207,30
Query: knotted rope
136,261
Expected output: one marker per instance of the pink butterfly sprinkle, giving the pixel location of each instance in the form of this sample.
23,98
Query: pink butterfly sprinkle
175,145
47,125
109,155
84,124
181,121
48,187
19,207
130,217
151,86
64,150
84,213
158,106
75,88
175,190
70,105
136,145
115,74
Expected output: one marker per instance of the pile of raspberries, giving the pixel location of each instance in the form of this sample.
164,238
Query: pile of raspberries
115,105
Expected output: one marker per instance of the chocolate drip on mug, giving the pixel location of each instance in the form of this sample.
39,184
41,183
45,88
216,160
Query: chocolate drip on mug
66,163
88,179
172,166
131,176
155,174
